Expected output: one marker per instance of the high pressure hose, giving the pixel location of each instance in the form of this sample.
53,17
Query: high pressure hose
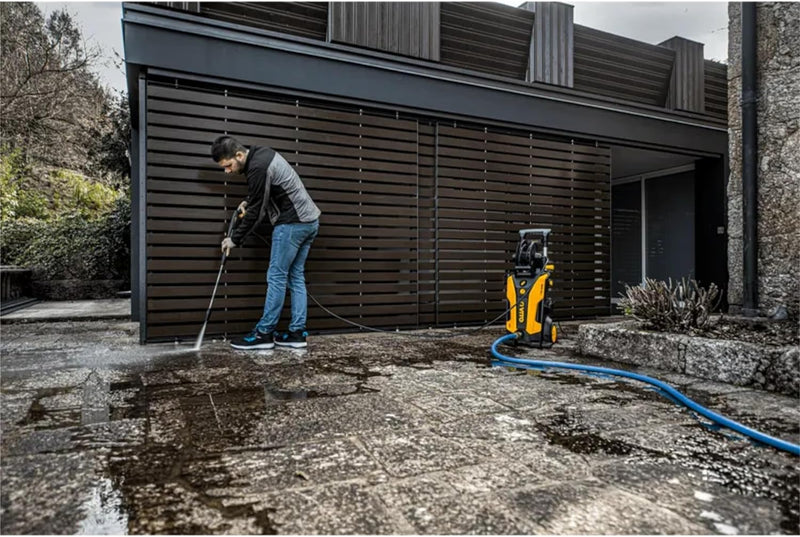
794,449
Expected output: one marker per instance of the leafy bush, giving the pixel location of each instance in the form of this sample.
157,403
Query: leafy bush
29,193
18,199
665,306
72,192
72,246
16,236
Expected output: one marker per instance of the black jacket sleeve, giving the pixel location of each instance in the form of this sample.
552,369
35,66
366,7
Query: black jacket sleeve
257,196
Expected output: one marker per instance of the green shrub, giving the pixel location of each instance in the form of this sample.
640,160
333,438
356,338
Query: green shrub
16,235
26,192
665,306
74,193
72,246
18,197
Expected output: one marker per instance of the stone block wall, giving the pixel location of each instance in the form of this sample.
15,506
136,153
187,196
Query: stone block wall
778,71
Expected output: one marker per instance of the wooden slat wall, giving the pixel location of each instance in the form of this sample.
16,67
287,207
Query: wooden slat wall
306,19
360,169
619,67
491,185
716,89
487,37
427,224
375,177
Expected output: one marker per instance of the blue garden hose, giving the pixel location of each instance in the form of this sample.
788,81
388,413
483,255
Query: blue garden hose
794,449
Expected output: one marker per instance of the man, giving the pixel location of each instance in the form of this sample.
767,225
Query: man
275,190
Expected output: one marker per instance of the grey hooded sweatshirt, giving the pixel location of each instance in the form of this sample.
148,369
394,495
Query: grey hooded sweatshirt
274,190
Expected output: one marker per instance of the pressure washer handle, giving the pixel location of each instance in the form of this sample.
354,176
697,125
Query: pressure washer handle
538,231
237,216
235,220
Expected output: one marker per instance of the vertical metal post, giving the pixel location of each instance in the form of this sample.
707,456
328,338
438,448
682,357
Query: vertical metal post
141,211
134,227
436,221
749,161
418,227
643,228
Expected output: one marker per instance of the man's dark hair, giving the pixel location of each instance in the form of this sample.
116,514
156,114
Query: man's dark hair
226,147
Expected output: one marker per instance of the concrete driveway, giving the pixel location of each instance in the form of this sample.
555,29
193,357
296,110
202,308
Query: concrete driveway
369,434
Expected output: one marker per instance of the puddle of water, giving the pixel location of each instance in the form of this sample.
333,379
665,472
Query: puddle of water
338,390
40,417
94,407
565,431
104,514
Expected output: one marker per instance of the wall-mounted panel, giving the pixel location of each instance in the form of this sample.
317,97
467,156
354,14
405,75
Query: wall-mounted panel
405,28
552,41
686,90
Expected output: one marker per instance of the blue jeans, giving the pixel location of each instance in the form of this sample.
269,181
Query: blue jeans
290,246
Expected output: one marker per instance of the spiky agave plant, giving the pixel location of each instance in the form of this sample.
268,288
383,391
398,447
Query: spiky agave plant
669,306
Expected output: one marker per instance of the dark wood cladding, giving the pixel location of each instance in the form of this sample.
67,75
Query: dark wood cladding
419,219
486,37
686,91
492,184
552,44
716,89
501,40
305,19
406,28
361,170
619,67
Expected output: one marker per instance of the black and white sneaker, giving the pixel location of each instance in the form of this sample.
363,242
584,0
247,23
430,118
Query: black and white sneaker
255,340
295,340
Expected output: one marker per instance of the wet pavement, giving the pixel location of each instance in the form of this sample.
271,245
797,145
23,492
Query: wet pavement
72,310
370,434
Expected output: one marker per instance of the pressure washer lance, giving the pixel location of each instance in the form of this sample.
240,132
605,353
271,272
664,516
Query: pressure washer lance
234,220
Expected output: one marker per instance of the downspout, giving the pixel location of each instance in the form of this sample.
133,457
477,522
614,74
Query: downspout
749,161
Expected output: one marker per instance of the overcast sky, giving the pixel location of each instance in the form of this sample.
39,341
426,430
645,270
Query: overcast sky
651,22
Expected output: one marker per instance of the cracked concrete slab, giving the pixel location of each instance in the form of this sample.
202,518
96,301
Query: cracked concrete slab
589,506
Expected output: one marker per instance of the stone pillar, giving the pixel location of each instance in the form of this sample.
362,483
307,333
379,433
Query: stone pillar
778,72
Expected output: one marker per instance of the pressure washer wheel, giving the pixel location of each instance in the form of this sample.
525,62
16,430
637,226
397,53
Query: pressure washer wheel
548,330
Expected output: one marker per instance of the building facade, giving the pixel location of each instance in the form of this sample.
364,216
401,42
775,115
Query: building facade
428,134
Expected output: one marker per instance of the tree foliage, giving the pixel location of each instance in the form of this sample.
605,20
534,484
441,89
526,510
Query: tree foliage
110,145
82,246
64,168
52,107
49,194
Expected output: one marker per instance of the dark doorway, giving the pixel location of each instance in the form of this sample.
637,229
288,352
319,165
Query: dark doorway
670,226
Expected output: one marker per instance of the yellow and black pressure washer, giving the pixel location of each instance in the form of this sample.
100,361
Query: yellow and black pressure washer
528,291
